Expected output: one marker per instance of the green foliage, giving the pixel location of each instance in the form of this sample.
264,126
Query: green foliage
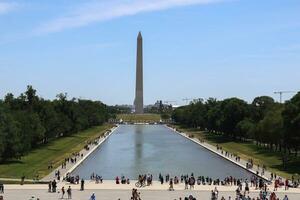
270,124
291,121
139,117
245,128
29,121
55,151
10,144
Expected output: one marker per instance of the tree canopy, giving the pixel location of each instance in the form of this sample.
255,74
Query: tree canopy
268,123
28,120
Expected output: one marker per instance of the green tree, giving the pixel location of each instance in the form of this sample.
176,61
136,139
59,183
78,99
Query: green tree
270,128
10,146
291,121
245,129
233,111
260,106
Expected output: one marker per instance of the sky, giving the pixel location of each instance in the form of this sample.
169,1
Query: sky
192,48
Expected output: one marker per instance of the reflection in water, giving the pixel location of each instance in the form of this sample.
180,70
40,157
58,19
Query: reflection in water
138,145
142,149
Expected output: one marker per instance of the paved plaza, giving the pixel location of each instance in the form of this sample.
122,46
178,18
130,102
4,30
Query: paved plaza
125,194
109,190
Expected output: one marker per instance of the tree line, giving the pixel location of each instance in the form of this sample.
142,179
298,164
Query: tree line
270,124
28,121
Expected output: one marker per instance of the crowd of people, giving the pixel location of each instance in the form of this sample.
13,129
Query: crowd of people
227,154
135,195
52,186
73,159
122,180
191,181
96,178
190,197
145,179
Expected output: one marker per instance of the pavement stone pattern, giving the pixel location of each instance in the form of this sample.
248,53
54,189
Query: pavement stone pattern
126,194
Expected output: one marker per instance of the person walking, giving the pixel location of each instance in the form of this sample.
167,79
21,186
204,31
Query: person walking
54,186
186,182
63,192
286,184
1,188
69,191
82,185
171,188
93,197
50,186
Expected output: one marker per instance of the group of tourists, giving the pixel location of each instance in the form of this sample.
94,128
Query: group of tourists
249,163
96,178
214,194
191,180
227,154
72,179
279,182
76,180
135,195
263,195
69,192
145,179
122,180
190,197
52,185
175,180
72,159
57,174
50,165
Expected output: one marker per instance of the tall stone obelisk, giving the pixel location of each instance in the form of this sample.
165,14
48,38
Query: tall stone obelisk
138,101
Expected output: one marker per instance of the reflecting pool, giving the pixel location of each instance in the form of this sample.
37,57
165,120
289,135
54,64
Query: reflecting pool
142,149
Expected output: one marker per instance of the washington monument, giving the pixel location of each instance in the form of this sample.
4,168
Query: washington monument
138,101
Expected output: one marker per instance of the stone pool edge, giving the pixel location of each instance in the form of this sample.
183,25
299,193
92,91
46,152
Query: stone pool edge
91,151
218,153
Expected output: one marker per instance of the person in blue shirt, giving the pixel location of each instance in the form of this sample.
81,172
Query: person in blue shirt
93,197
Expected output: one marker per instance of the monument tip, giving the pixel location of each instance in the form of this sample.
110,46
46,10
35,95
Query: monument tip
140,34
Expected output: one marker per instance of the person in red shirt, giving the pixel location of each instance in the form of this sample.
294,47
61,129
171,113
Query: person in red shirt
286,184
276,184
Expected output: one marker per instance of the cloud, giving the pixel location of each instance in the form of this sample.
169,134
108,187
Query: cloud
6,7
97,11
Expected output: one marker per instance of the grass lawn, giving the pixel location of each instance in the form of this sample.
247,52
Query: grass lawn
248,150
139,117
36,162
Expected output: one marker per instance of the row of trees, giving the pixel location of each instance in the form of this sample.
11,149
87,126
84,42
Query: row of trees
271,124
29,120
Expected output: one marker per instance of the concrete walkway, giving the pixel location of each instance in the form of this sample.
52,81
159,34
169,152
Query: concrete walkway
125,195
71,166
18,180
109,190
111,185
